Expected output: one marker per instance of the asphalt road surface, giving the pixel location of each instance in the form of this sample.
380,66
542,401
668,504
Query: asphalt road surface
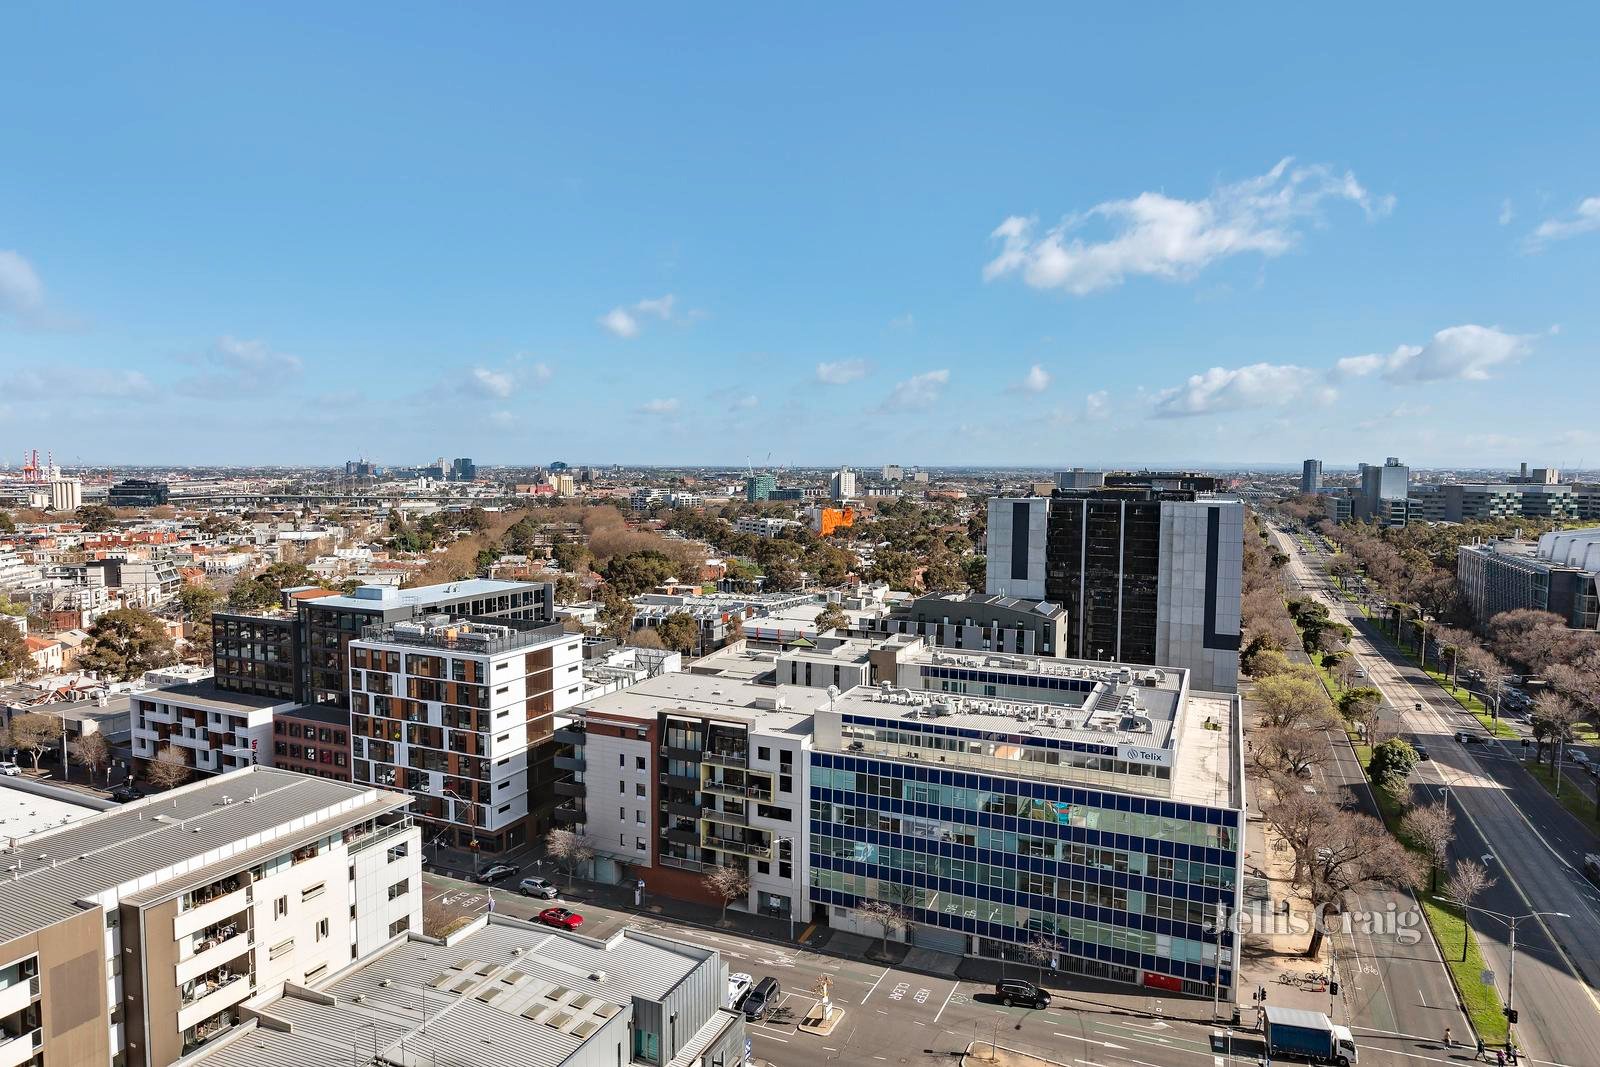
1531,845
894,1016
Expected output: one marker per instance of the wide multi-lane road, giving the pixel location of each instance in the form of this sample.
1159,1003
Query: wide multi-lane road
1532,846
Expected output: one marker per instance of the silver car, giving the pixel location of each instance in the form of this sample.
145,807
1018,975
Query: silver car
536,887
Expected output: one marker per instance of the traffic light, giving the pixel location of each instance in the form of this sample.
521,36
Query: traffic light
1333,989
1511,1015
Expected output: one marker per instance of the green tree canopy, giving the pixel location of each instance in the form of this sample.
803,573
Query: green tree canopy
265,590
679,632
14,656
95,517
638,572
125,643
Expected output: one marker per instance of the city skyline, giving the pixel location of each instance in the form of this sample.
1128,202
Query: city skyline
768,237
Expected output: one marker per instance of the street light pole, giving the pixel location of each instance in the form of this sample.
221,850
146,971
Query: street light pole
1511,924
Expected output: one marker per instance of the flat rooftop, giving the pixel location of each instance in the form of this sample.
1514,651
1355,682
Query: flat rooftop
509,994
385,597
775,708
131,842
208,695
23,814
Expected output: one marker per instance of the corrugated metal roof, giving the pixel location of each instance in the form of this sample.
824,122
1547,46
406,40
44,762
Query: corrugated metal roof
43,877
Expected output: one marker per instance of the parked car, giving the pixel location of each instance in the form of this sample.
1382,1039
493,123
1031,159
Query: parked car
762,999
739,984
567,920
1422,753
536,887
498,873
1011,991
9,769
124,793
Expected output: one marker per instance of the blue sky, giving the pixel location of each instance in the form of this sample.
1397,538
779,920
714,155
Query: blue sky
692,233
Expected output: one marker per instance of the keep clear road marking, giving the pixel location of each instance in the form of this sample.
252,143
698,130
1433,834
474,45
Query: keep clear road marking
1090,1041
874,987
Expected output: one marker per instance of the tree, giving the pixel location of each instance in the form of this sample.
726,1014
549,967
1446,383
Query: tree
1553,718
782,574
1391,765
638,572
1361,705
735,627
831,617
7,524
198,601
1039,950
568,850
93,751
1263,661
15,659
569,590
943,573
168,769
727,884
264,591
125,643
33,733
1431,827
1293,700
1466,883
95,517
646,637
616,615
890,918
1290,751
679,632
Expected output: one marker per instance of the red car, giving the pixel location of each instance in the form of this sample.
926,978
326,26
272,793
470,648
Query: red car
567,920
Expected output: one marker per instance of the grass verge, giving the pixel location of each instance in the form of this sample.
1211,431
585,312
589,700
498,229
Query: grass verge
1572,798
1481,1002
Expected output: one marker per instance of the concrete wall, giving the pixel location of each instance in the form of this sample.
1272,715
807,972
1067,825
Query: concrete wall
72,1004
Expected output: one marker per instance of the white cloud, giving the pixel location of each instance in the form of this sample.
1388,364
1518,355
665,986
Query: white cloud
1357,366
1459,353
1097,405
625,322
1586,219
1259,385
28,384
21,291
662,406
493,382
1507,212
917,392
232,368
502,419
1037,380
841,372
1160,236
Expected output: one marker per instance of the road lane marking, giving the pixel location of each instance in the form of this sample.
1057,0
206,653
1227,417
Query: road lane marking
874,987
946,1003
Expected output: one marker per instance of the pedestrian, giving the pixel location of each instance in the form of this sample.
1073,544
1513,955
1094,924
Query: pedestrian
1447,1042
1499,1058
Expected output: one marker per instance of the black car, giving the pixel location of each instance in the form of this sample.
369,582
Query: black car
124,793
1422,753
498,873
1011,991
762,999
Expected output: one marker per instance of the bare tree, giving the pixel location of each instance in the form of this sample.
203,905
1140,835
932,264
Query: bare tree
891,918
727,884
1285,750
1431,827
569,850
94,752
1553,719
33,733
1039,950
168,769
1464,886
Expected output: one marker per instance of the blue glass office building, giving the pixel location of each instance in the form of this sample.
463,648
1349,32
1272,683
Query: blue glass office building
1027,830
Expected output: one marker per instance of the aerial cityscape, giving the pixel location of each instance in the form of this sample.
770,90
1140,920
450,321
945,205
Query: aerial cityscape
694,537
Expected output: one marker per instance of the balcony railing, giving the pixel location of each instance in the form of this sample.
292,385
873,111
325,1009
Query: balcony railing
732,757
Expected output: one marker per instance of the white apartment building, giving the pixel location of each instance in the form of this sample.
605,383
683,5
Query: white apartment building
214,730
684,772
461,715
842,486
135,936
765,527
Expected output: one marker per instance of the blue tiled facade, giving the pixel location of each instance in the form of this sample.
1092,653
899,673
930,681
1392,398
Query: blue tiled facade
1126,886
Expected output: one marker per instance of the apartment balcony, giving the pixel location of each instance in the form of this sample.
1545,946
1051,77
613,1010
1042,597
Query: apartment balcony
15,1051
680,781
570,763
215,954
726,757
722,788
724,818
734,845
570,814
570,787
684,835
687,755
681,808
210,912
572,734
218,997
18,995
